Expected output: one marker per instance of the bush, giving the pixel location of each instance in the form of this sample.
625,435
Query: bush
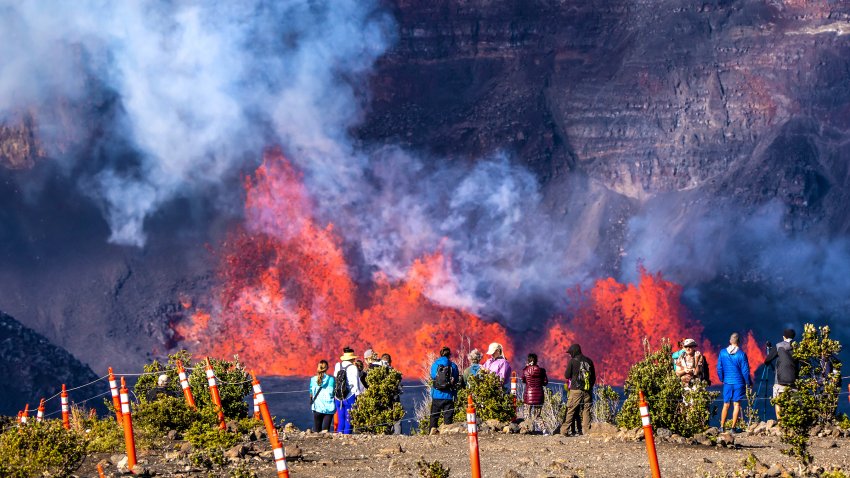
670,405
605,403
104,435
42,447
814,398
164,414
379,406
434,469
233,381
491,401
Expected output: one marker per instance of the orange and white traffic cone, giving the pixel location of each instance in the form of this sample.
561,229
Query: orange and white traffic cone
127,418
116,400
184,384
39,416
216,398
648,435
271,431
472,434
63,398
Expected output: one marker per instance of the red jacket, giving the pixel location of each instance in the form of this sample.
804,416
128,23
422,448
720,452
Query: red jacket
534,378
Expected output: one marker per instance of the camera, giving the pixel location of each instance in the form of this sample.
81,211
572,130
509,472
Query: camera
768,344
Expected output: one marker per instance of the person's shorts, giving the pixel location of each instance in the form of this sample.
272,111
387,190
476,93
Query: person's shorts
778,389
734,393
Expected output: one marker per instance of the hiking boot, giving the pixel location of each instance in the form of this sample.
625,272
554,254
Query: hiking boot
434,431
721,430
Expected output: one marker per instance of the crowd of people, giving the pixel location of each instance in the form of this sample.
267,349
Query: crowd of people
336,393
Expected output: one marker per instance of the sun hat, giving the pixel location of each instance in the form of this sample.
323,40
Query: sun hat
689,343
348,356
493,348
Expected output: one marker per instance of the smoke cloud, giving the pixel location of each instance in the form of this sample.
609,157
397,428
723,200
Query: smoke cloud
200,86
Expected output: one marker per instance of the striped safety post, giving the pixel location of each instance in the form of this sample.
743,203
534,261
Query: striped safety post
39,416
648,435
256,409
100,471
63,398
271,431
26,414
216,398
514,392
184,384
116,400
848,392
20,420
472,433
127,417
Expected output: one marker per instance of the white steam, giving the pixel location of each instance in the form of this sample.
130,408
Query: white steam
198,84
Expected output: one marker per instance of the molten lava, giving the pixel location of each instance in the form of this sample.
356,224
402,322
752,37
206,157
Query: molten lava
286,300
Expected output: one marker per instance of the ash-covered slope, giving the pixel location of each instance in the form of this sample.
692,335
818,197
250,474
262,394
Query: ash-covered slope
32,368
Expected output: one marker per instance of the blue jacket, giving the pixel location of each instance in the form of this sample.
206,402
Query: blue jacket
439,394
732,367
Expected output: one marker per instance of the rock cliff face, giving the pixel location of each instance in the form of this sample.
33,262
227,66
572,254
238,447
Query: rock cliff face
744,98
33,368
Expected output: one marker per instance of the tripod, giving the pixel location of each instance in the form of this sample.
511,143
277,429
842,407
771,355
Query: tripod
763,383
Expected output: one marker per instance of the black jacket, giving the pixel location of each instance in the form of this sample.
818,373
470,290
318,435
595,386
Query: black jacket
782,359
574,368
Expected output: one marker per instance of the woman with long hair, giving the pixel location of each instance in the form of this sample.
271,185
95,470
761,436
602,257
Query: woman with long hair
322,398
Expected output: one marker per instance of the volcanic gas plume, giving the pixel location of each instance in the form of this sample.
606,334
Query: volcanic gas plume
286,299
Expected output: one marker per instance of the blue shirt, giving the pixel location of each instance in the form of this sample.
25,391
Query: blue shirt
439,394
324,402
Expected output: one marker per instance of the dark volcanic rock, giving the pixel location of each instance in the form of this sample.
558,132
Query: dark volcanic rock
32,368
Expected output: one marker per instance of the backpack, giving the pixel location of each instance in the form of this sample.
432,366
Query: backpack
443,380
702,370
583,378
341,387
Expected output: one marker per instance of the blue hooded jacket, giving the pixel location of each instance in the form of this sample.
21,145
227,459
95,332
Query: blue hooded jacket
732,367
439,394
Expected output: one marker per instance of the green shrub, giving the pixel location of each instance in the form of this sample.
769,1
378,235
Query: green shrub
844,422
242,470
164,414
233,381
606,400
814,398
491,400
104,435
207,436
378,407
42,447
670,405
434,469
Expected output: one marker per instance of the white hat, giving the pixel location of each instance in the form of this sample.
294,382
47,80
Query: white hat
493,347
689,342
162,380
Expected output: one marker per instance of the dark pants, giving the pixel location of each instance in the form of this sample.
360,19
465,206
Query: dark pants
446,407
322,421
579,403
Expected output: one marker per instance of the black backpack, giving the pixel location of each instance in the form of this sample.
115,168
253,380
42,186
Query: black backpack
443,381
341,388
583,377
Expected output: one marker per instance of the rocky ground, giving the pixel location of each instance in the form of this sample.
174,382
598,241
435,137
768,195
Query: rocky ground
509,453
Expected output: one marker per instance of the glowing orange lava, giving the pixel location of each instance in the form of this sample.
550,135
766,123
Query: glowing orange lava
286,299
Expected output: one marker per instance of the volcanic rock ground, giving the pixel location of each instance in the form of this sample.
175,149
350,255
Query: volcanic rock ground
508,456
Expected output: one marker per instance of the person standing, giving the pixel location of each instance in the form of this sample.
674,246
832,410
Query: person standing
733,370
474,357
690,365
535,379
445,378
387,361
347,387
782,359
321,398
498,364
581,375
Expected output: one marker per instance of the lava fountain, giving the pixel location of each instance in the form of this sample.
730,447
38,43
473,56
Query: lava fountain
285,299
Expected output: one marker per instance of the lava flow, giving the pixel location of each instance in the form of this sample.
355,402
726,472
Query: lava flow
286,300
